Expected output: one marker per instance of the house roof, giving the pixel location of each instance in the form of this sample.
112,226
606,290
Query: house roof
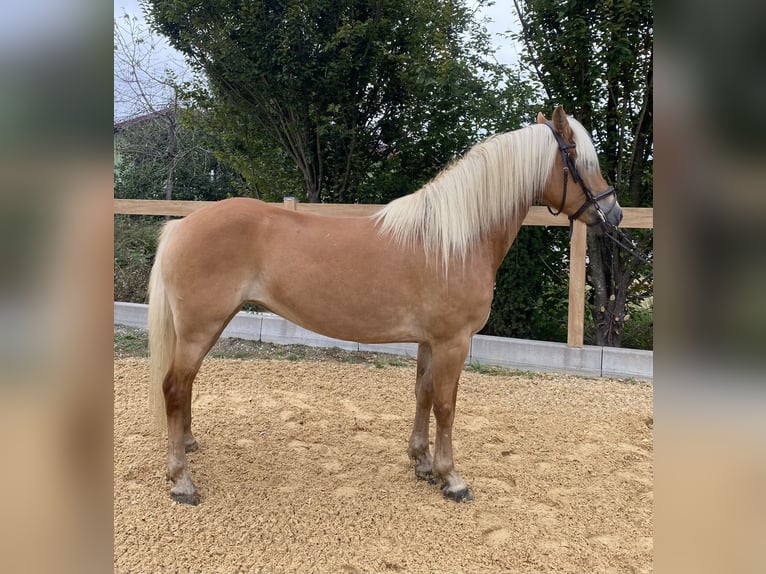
140,119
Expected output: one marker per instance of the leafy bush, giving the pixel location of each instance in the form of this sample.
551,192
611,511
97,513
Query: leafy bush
531,288
135,243
639,326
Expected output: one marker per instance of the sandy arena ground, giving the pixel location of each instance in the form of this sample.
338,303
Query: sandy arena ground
302,467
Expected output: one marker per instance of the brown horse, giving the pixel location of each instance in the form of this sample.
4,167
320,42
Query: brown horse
421,270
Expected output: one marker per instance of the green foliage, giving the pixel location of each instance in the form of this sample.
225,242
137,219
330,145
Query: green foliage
531,289
147,150
639,325
263,170
596,60
135,243
368,99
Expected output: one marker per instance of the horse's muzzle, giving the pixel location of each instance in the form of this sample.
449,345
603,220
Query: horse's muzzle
611,210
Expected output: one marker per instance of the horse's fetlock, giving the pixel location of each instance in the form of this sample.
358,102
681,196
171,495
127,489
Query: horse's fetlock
417,447
175,471
442,470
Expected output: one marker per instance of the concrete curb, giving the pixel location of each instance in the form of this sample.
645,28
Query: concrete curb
536,355
497,351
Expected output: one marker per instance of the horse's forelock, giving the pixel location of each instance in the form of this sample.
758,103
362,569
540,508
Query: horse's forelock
587,158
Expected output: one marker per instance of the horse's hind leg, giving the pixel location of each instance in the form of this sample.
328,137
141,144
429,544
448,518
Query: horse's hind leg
418,449
190,443
177,388
194,338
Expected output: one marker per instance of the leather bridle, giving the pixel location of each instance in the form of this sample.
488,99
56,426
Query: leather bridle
590,198
570,167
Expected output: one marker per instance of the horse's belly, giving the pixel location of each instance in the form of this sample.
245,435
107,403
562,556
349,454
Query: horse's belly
349,322
365,291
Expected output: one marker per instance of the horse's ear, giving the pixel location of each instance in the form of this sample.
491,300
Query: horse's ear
541,118
561,124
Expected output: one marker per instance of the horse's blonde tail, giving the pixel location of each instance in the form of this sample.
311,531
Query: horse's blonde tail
162,332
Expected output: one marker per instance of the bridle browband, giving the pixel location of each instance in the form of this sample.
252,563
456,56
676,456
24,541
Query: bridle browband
570,167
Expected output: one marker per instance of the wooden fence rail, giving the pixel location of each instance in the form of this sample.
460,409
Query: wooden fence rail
634,217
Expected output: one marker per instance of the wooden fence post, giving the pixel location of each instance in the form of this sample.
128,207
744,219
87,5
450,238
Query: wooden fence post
576,320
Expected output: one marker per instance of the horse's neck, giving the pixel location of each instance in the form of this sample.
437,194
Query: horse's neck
504,233
501,239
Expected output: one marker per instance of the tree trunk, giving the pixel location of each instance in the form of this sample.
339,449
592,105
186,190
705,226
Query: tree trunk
313,191
609,281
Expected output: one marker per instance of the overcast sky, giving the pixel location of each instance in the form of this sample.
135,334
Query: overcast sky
501,17
502,20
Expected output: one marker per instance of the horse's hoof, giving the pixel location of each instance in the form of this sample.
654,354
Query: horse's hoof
184,498
463,495
427,476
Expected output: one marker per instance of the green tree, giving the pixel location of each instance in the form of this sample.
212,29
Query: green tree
368,98
263,168
595,58
159,157
161,150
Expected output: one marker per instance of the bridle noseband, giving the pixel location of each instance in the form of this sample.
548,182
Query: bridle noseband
570,167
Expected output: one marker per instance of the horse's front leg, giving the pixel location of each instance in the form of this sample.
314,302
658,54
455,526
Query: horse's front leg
418,450
447,364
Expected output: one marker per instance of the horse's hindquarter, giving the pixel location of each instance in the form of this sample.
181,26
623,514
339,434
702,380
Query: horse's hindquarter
341,278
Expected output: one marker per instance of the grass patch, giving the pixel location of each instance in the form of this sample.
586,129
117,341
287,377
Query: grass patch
130,343
492,370
482,369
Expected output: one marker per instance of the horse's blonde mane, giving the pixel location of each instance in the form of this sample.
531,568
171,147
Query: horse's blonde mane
496,181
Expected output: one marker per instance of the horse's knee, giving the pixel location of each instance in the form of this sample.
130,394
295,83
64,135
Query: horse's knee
444,412
424,399
443,406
